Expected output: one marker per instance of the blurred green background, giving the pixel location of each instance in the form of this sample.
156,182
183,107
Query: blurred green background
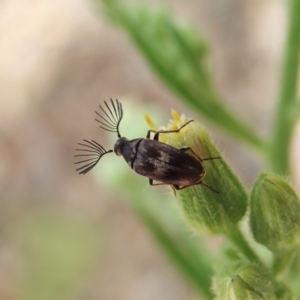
65,236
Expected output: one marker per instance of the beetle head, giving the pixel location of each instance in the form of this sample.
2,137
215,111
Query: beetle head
118,148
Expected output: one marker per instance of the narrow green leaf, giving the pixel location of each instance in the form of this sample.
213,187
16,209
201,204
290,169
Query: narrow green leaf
179,57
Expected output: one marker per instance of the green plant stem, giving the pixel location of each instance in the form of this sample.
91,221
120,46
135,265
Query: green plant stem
236,237
285,119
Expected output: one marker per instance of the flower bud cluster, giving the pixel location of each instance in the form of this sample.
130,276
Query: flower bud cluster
221,200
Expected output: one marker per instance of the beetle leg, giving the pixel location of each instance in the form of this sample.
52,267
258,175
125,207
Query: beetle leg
178,188
158,183
200,182
149,132
186,148
209,187
156,135
209,158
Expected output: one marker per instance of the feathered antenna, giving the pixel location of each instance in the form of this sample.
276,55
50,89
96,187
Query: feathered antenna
111,121
91,153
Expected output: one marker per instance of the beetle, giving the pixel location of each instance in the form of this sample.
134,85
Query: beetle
160,162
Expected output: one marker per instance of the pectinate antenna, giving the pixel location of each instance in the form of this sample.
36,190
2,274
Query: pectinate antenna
111,116
91,154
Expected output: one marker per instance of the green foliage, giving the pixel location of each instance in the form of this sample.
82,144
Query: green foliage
211,211
274,218
244,282
178,55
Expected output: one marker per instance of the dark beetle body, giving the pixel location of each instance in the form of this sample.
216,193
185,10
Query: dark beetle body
161,162
167,164
147,157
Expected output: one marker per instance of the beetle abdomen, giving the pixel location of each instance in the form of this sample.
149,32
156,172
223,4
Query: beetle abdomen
164,163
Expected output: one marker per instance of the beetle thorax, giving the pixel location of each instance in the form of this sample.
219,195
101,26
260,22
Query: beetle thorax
118,148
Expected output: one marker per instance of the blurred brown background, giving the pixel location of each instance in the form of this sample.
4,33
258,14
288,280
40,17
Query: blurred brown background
58,61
